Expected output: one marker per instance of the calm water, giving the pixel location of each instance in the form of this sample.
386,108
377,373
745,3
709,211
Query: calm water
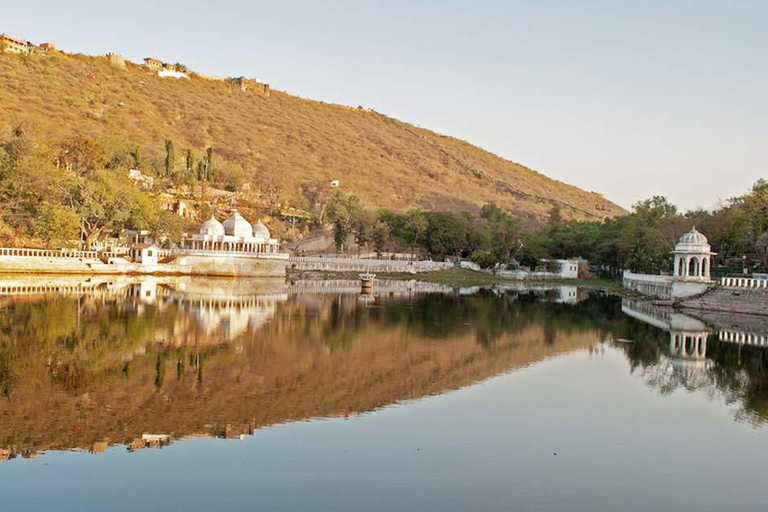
201,395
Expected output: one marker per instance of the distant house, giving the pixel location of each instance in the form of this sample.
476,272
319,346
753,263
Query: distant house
569,269
153,64
140,178
335,183
48,47
146,254
180,207
13,45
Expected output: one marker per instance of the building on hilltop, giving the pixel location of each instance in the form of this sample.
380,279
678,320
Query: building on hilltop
165,70
153,64
116,60
13,45
246,84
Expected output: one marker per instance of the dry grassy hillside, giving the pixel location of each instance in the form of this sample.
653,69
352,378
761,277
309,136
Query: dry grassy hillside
386,162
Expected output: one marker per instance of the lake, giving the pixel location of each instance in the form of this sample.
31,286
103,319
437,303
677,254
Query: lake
173,394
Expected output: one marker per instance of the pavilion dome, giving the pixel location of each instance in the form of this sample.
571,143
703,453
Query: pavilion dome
212,227
693,241
236,225
261,231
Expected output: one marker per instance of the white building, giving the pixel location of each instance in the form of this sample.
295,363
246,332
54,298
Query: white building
235,235
690,275
569,269
146,254
693,257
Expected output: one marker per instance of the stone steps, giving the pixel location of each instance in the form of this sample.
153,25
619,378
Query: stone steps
736,300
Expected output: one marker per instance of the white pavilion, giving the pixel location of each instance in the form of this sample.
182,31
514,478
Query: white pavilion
693,257
235,235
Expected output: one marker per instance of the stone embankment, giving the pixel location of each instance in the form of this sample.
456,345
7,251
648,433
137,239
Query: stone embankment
731,299
334,264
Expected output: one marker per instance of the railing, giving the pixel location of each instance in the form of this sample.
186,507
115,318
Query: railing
745,338
744,282
364,265
47,253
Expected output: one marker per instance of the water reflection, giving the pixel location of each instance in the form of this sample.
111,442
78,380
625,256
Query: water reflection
720,356
86,364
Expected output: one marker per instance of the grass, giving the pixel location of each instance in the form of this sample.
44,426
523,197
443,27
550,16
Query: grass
386,162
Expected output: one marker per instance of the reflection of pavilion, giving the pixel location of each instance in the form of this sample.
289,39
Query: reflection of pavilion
232,318
688,337
223,310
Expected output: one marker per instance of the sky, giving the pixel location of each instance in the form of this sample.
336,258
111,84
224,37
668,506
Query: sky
629,99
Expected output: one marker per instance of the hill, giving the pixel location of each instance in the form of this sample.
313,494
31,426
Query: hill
386,162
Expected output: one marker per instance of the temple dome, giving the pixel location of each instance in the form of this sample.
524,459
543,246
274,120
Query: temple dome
260,230
693,241
236,225
212,227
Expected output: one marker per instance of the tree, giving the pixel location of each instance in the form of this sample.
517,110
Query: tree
363,229
417,222
105,202
342,209
555,222
208,167
170,158
27,176
57,224
189,163
81,155
380,236
446,234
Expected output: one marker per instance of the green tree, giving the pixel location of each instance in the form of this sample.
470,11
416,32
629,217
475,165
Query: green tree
81,155
380,236
446,234
57,224
416,221
170,158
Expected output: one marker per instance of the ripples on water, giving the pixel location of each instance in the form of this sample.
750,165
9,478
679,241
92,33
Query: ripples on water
102,366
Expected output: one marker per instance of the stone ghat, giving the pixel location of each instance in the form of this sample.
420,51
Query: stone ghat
38,261
752,301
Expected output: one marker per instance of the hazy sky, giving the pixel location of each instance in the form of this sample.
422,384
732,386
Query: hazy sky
626,98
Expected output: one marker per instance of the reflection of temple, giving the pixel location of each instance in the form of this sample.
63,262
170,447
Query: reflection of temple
688,354
689,337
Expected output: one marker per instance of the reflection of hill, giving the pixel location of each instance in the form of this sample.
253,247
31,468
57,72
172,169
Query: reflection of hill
107,378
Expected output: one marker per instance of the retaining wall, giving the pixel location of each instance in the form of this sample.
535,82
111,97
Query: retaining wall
364,265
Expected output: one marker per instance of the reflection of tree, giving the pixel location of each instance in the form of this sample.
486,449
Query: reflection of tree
65,359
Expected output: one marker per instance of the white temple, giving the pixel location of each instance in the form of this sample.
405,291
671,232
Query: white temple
690,273
693,257
234,235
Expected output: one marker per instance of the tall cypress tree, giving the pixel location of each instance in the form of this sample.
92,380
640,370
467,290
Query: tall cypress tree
170,158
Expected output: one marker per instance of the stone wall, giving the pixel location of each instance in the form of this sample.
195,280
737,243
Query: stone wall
659,287
364,265
268,265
